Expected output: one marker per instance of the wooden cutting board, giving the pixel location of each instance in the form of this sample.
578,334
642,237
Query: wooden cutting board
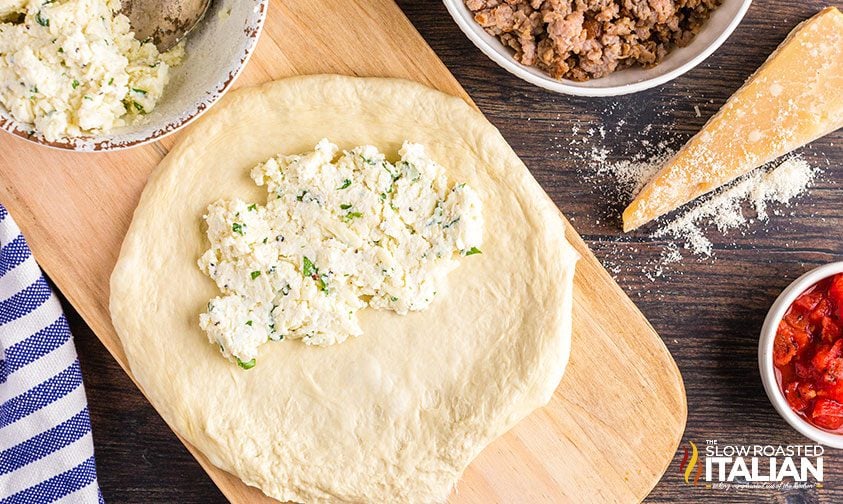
617,418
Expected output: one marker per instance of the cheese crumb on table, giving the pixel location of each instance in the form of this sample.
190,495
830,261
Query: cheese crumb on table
338,232
73,67
725,208
750,199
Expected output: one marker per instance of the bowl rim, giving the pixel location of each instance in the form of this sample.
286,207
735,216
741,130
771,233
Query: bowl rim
459,12
197,108
765,354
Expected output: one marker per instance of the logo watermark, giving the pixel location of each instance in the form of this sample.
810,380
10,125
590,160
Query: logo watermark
740,467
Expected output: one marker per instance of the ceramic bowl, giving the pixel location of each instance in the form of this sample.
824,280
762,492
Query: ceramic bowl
722,23
217,50
765,354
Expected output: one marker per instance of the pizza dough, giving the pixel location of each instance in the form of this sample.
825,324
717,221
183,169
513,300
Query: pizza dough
396,414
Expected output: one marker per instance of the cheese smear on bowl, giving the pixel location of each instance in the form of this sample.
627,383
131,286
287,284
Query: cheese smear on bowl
73,67
339,231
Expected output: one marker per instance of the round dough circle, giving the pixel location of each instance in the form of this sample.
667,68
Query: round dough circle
399,412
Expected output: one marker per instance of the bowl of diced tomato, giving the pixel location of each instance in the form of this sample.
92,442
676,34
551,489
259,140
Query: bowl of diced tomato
800,354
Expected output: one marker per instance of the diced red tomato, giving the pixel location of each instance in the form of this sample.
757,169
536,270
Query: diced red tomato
835,294
799,395
797,320
820,359
834,373
802,338
804,372
834,392
826,354
784,349
808,301
827,413
829,330
808,352
821,311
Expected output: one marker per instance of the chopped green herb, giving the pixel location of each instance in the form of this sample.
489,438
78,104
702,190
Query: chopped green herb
74,84
253,207
383,196
352,215
285,290
395,175
61,49
393,299
111,81
139,91
138,106
451,223
345,206
472,251
41,21
237,228
265,240
246,365
249,323
301,195
345,184
255,274
308,268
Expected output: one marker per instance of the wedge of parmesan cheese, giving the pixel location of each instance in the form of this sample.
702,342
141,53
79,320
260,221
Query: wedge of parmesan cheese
794,98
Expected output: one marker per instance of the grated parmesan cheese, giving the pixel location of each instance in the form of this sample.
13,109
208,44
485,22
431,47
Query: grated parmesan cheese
724,209
734,206
630,175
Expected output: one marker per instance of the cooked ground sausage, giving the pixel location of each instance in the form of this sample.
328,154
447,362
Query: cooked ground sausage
587,39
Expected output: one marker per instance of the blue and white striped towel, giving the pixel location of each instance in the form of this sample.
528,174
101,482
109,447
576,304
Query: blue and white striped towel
46,450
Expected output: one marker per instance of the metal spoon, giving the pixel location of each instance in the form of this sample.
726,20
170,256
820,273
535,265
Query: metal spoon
164,22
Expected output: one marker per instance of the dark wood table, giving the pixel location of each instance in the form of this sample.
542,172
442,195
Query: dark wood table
709,312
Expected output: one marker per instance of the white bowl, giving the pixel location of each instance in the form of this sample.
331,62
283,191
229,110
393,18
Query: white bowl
216,51
765,354
717,29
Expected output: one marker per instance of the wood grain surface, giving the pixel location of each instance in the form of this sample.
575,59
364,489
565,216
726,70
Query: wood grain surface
615,421
708,312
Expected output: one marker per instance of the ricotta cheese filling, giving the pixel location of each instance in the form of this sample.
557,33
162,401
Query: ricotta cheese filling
339,231
74,68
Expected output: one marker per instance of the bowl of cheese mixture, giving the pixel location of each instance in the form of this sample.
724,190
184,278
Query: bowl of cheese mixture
73,76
